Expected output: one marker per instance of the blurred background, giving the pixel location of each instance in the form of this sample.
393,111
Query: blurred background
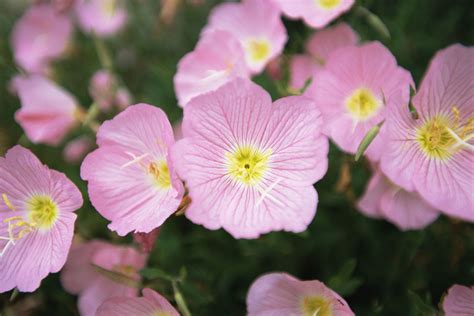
378,269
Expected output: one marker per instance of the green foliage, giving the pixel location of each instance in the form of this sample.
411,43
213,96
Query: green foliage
377,268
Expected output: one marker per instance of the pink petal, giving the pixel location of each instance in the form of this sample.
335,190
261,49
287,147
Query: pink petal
103,17
369,203
459,301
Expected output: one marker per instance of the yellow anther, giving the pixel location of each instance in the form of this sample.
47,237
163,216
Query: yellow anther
13,218
26,230
7,202
456,114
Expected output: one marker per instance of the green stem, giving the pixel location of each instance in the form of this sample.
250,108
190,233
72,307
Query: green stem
179,298
102,52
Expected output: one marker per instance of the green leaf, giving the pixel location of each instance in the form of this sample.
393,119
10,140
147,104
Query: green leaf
367,140
423,307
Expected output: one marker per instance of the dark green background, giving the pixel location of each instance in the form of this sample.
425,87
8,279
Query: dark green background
378,269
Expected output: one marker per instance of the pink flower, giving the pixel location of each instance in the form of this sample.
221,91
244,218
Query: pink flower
122,98
318,50
258,27
131,178
280,294
102,89
434,154
315,13
459,301
36,220
250,164
97,271
217,59
77,149
354,91
47,111
151,303
407,210
102,17
39,36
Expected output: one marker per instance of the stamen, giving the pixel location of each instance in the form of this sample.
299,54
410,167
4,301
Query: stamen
460,142
456,114
8,244
266,193
134,160
13,218
7,202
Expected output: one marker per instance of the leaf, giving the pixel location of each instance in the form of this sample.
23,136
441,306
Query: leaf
422,307
367,140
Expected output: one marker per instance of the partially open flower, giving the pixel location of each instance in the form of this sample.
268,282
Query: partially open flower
102,17
258,27
39,36
280,294
315,13
151,303
36,220
97,271
48,112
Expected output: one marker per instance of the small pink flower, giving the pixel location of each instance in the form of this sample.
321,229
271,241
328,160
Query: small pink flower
146,241
407,210
39,36
77,149
102,17
353,92
318,50
249,164
280,294
131,179
315,13
97,271
36,220
151,303
258,27
102,88
459,301
47,112
122,98
434,154
217,59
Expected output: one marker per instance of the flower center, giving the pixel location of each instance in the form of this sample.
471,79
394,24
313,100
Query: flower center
258,49
247,164
108,7
440,137
43,211
125,270
328,4
316,306
362,104
160,173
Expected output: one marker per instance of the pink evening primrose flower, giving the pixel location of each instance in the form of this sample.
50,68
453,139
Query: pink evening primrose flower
315,13
459,301
39,36
47,112
353,92
434,154
151,303
249,164
258,27
36,220
131,179
217,59
102,17
280,294
318,49
97,271
407,210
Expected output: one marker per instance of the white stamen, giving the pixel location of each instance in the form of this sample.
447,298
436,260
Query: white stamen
134,160
460,142
266,193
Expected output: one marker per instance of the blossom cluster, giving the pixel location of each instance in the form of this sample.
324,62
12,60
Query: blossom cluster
242,162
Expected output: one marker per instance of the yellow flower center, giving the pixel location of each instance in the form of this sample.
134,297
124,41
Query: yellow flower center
43,211
247,164
440,137
108,7
160,173
258,49
328,4
362,104
316,306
